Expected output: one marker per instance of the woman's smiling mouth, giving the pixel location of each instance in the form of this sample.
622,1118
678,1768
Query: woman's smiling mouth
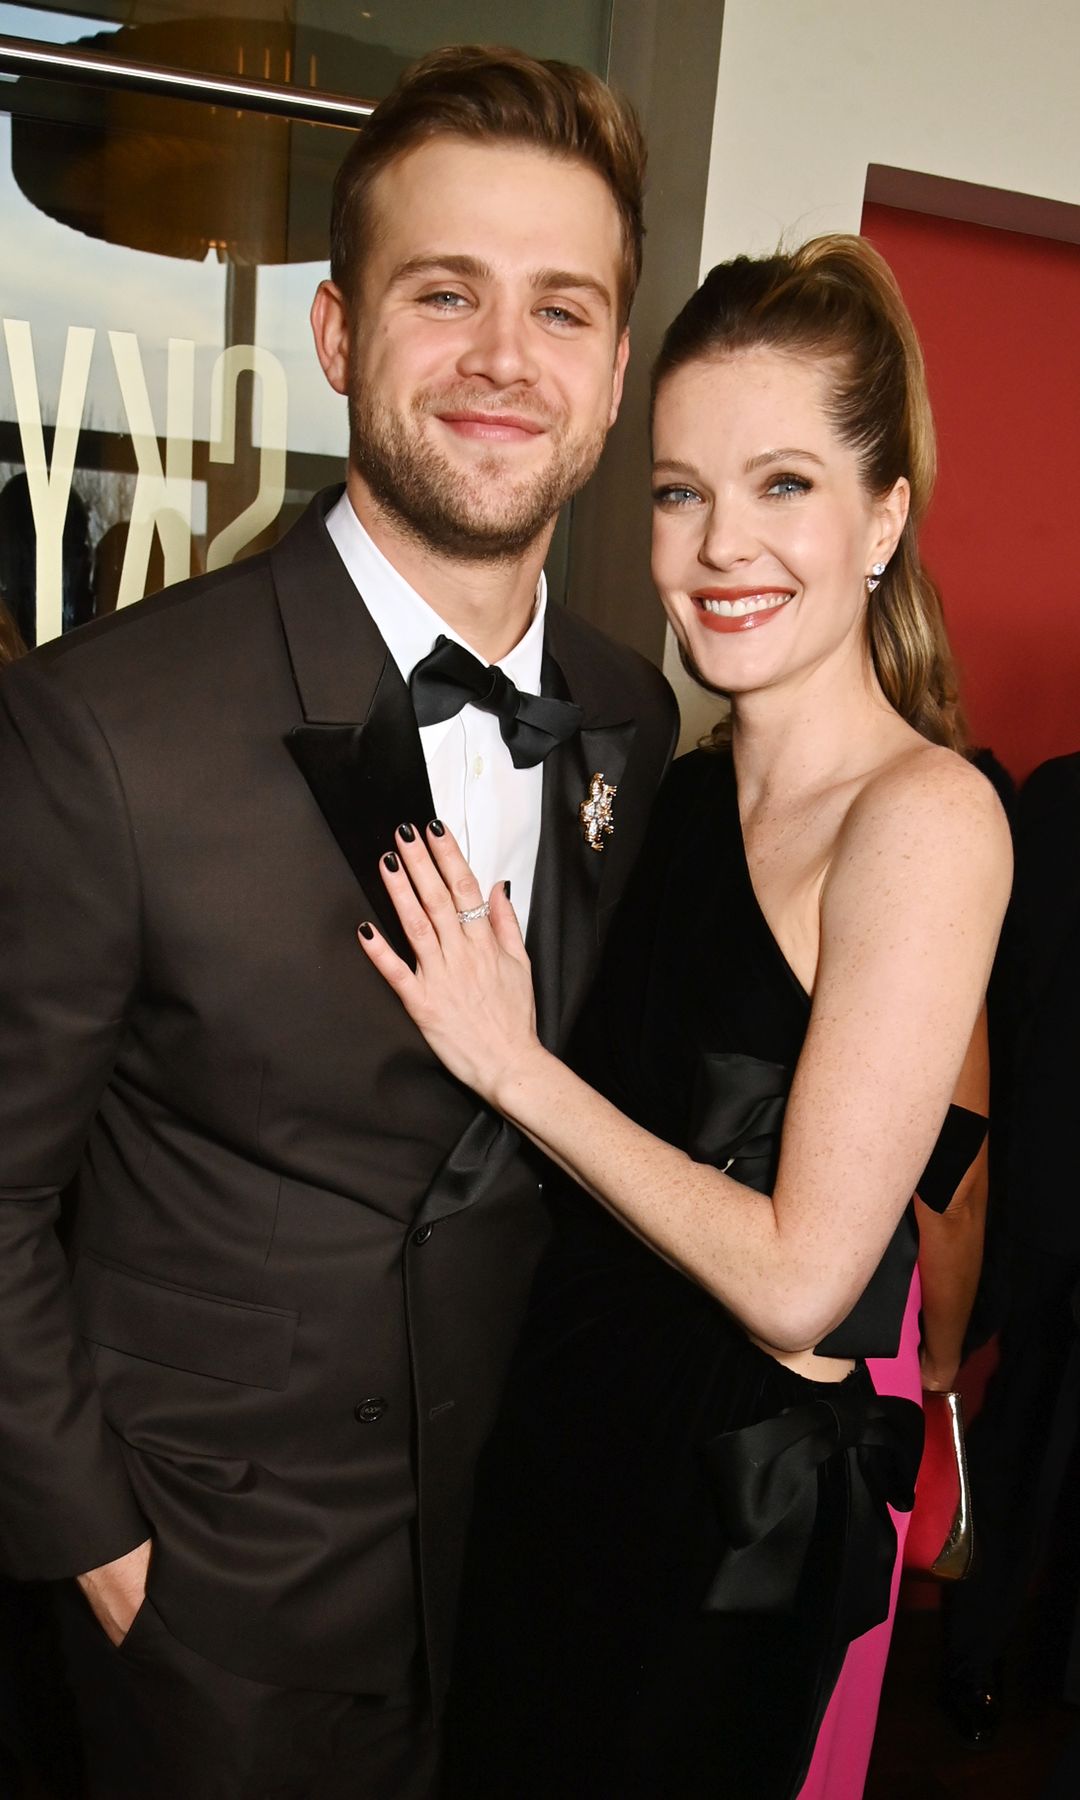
739,609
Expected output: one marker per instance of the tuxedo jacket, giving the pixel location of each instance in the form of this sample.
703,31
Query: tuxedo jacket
301,1251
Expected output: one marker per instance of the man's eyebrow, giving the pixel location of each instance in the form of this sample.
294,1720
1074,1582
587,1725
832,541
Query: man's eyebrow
433,262
573,278
771,456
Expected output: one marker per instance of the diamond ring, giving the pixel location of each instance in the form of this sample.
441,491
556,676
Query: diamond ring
474,912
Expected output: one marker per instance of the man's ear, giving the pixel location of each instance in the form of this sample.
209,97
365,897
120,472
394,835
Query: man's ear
622,356
330,326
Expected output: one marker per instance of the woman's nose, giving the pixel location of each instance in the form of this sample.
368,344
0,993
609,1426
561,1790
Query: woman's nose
729,537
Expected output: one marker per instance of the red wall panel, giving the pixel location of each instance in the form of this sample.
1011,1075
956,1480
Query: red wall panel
998,313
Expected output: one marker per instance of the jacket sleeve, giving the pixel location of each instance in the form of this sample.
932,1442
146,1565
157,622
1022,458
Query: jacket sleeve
69,932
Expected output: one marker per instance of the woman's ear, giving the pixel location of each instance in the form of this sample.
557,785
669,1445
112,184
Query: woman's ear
891,516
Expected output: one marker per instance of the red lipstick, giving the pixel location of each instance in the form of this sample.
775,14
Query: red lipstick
730,609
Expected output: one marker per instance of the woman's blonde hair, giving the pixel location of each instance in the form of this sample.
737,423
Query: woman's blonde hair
836,299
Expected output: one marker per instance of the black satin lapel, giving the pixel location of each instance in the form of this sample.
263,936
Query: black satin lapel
367,780
471,1169
561,941
570,877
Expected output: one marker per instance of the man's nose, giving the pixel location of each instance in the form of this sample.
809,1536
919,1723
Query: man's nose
500,348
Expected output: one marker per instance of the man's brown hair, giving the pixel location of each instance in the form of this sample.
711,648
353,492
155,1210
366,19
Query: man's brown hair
495,94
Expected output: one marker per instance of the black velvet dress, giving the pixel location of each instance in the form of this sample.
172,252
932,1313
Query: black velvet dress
675,1536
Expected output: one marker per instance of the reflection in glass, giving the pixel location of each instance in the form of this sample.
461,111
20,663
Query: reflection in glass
136,383
161,408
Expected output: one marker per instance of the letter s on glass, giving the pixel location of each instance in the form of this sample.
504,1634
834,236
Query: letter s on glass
264,509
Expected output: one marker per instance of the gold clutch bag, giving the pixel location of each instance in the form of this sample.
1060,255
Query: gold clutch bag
940,1539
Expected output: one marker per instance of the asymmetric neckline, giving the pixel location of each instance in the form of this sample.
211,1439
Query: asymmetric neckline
766,931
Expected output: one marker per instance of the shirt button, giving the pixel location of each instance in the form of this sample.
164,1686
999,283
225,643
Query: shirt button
477,767
370,1411
422,1233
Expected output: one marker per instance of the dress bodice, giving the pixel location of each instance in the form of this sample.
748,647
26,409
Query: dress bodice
676,1535
698,1020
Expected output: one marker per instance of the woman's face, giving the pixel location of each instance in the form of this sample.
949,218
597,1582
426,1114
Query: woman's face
763,534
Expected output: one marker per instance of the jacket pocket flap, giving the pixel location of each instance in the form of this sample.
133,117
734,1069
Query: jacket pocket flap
200,1333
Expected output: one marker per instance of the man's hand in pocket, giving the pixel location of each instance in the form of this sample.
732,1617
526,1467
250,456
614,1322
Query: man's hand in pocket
116,1591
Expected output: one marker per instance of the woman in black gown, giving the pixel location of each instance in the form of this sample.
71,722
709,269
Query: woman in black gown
683,1519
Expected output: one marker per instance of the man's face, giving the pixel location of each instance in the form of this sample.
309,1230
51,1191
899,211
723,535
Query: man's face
483,360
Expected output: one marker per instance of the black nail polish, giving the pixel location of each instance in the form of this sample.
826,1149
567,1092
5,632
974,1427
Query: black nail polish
406,834
390,862
506,889
437,828
366,931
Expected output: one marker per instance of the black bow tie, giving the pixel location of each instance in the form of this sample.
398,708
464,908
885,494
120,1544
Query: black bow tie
452,677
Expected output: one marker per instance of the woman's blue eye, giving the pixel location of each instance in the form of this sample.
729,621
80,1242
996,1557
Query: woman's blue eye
674,496
785,485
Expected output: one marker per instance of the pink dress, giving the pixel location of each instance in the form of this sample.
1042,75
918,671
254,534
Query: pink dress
842,1753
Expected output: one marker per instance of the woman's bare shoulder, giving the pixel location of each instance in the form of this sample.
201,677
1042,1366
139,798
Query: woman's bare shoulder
933,793
927,813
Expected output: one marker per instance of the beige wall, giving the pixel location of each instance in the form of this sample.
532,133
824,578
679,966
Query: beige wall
812,91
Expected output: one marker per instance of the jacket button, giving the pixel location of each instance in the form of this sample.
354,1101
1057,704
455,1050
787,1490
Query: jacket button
422,1233
370,1411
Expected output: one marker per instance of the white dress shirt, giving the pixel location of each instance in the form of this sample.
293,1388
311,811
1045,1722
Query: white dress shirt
492,808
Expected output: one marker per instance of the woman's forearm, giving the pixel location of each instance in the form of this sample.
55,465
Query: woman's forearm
723,1235
950,1259
891,1018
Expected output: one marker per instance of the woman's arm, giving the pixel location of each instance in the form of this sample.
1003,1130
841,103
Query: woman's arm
909,921
951,1242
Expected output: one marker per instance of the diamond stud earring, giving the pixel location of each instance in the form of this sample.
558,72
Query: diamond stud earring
873,580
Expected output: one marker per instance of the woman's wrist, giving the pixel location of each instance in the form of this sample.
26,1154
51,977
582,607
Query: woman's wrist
524,1084
938,1373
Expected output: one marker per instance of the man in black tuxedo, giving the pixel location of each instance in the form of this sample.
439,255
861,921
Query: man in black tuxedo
245,1411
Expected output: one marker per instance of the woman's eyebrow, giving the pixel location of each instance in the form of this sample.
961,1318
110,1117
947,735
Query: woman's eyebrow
674,467
768,456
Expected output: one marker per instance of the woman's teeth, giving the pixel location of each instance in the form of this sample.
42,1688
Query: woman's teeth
733,609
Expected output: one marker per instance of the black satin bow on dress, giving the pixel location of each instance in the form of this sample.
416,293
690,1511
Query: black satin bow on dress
451,677
765,1481
737,1114
766,1476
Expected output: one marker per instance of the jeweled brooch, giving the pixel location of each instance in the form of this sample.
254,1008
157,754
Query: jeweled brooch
595,812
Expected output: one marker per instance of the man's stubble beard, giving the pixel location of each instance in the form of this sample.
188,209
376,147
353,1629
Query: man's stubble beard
473,517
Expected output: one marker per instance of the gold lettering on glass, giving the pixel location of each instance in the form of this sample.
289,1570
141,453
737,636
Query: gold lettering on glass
264,509
162,495
49,484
